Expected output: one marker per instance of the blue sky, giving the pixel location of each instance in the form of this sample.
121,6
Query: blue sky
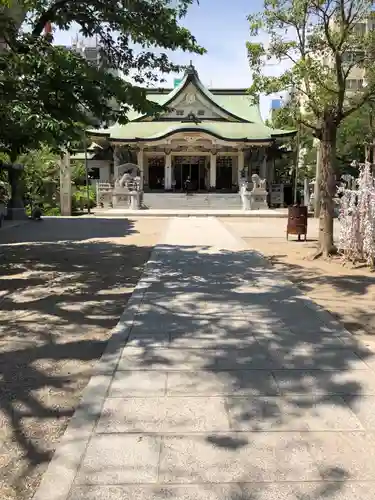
222,28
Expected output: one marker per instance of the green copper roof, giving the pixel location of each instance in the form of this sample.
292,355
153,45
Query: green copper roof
152,131
244,119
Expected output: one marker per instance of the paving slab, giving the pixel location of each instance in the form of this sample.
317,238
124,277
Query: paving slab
227,385
222,382
303,413
273,456
164,415
276,491
120,458
138,383
340,456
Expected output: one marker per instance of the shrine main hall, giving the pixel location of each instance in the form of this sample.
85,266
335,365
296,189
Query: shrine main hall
214,137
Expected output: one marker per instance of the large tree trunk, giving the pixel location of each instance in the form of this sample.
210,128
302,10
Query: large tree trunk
327,187
16,208
16,13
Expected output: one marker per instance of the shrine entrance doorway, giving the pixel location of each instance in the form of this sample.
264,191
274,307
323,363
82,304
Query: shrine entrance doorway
190,167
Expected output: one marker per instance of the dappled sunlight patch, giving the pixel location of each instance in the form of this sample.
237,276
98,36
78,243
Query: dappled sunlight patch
84,305
120,290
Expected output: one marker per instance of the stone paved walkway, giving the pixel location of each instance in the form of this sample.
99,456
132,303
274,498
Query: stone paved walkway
231,386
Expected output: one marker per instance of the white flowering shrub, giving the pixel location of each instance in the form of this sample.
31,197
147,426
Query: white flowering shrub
357,219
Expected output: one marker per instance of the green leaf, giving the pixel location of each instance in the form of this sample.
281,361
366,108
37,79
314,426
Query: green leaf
49,94
313,40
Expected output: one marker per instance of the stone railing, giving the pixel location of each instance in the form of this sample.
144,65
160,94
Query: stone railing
124,193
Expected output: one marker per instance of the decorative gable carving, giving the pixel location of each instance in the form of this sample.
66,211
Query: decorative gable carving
192,102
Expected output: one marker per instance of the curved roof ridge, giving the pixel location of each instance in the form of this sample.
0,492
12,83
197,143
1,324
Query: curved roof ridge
191,76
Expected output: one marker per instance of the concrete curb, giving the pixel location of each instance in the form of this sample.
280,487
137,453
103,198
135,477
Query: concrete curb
59,477
156,214
190,213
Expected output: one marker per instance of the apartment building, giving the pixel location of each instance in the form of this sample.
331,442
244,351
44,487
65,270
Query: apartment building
89,49
357,76
356,79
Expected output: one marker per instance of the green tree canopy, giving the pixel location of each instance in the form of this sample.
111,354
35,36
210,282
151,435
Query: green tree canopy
320,41
354,133
48,93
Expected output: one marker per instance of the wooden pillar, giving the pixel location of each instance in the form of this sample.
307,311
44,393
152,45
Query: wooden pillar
168,171
241,165
213,170
263,165
140,163
65,185
116,161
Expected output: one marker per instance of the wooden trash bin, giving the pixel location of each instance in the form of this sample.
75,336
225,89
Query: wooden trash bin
297,221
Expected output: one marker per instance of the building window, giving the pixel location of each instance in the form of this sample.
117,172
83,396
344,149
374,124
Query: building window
352,84
94,173
180,112
200,112
353,57
360,29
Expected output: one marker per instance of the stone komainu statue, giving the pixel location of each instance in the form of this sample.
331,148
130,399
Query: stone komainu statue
130,178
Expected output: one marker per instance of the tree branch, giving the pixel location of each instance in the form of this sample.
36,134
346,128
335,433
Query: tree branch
307,124
366,96
50,13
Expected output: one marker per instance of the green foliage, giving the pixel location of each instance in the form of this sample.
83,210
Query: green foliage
41,175
78,173
48,93
321,43
354,133
79,199
285,117
315,39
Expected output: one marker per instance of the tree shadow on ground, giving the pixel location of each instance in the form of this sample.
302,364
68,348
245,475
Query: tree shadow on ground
226,324
58,301
219,323
348,285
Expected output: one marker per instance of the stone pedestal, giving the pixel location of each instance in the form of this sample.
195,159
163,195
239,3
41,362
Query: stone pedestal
246,201
243,190
258,195
123,198
258,200
120,198
135,200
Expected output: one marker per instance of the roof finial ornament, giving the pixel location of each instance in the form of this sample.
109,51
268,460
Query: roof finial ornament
190,70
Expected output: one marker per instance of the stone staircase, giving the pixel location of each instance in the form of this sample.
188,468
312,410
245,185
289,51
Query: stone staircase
194,201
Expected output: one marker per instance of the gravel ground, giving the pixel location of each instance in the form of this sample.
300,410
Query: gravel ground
63,286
